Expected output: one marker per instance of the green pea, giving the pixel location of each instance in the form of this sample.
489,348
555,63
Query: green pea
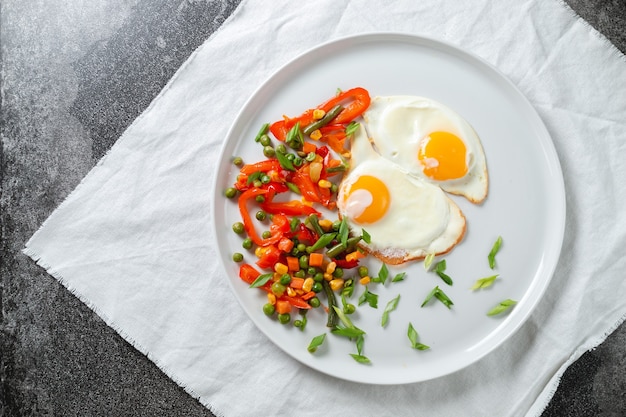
247,243
363,271
314,302
318,277
300,274
297,161
301,247
265,179
237,257
269,309
238,228
238,161
298,323
257,184
269,151
349,308
278,289
304,261
334,188
284,318
311,270
285,279
291,156
230,192
310,156
265,140
336,225
259,198
317,287
338,273
281,148
261,215
266,234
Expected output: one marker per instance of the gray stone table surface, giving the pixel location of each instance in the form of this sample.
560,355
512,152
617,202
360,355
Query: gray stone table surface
75,74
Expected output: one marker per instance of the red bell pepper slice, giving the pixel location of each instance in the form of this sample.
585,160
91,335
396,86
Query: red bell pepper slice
291,208
360,102
247,220
296,302
344,264
270,256
305,235
308,189
280,128
262,166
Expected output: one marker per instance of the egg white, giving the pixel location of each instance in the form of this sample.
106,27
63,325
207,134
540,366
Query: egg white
397,125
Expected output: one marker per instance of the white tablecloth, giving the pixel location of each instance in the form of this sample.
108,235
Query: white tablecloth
134,241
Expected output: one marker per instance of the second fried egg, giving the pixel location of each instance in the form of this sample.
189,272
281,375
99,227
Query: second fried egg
430,141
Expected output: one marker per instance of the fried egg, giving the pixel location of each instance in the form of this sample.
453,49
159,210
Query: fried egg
430,141
406,217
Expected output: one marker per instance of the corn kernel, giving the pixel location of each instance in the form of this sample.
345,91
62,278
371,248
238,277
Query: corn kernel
328,277
308,284
326,224
365,280
281,268
291,292
336,284
324,184
271,298
330,268
316,134
259,251
318,114
347,154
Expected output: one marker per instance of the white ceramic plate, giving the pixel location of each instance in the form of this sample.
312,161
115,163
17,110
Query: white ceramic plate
526,206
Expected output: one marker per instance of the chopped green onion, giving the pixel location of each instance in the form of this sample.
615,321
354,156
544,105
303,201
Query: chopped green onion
366,236
413,337
360,358
484,282
264,129
439,295
369,297
261,280
294,139
285,162
439,268
316,342
347,332
359,344
293,187
351,128
391,305
383,274
492,255
344,319
399,277
428,261
324,240
502,307
253,177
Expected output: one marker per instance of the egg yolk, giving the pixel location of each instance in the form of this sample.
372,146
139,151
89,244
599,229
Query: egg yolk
442,155
368,200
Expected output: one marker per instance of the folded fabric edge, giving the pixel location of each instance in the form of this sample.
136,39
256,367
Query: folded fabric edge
156,99
613,49
544,398
109,322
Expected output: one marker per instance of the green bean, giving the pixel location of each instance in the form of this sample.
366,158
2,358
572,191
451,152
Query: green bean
340,247
332,113
332,301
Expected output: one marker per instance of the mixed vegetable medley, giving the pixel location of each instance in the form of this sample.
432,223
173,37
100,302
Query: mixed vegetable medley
305,256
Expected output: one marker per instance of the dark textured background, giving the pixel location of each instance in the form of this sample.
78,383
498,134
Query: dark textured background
74,75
